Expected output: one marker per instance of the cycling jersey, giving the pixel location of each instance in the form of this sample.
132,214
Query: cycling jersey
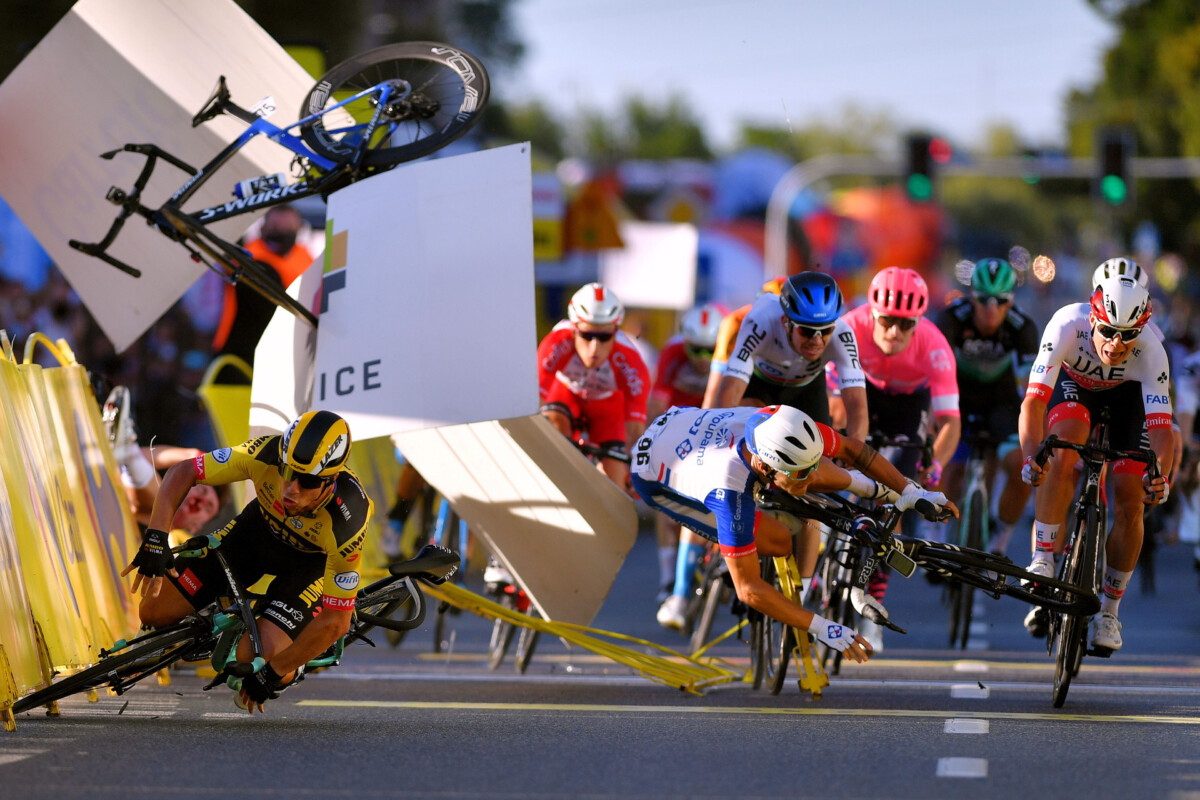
336,530
731,325
989,366
927,362
1067,345
623,371
678,382
689,465
763,350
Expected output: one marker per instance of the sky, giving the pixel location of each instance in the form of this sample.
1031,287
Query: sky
952,67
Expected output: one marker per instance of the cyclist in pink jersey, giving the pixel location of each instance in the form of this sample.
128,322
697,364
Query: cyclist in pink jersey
592,380
910,370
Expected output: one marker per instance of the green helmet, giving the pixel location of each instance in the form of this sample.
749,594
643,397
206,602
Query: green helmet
993,277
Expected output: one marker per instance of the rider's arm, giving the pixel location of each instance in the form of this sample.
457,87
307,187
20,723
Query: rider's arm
855,401
178,481
730,391
949,430
325,629
1031,425
865,458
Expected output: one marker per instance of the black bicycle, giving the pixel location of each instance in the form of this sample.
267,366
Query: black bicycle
365,115
1082,566
973,528
394,602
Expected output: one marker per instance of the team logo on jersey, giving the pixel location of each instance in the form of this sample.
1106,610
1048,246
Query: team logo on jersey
684,448
940,360
346,580
1162,378
222,455
720,494
1048,346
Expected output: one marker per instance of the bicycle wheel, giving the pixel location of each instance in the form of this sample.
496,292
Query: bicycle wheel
765,635
714,596
124,668
976,511
441,93
787,643
526,643
1072,628
502,634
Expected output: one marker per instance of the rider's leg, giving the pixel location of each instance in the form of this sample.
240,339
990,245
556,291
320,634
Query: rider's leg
1053,496
1125,538
559,418
806,548
666,533
691,550
168,607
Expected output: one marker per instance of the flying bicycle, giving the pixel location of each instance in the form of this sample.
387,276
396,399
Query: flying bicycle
366,115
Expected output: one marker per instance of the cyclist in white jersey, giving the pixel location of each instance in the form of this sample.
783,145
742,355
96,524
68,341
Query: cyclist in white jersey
700,467
1104,362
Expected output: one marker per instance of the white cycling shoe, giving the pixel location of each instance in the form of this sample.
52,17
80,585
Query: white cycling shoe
1043,569
1106,634
671,614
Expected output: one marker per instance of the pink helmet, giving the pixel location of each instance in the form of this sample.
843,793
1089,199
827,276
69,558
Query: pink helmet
898,292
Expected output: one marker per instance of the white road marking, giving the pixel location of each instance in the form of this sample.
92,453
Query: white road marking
969,691
980,628
970,666
962,768
10,755
967,726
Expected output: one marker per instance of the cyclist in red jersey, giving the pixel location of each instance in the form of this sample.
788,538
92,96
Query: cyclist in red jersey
591,378
680,380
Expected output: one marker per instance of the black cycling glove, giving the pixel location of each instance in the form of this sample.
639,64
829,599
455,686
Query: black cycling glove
264,685
154,557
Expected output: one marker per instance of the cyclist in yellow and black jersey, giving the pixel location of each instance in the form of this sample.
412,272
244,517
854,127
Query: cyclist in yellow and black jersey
305,528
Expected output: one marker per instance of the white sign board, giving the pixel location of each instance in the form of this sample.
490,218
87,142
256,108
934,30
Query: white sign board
656,268
427,308
113,72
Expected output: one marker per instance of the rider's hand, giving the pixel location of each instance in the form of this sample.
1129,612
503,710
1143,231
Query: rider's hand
931,475
1157,490
1031,473
913,493
840,638
153,560
264,685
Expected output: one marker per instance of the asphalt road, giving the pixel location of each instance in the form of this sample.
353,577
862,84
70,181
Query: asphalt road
918,721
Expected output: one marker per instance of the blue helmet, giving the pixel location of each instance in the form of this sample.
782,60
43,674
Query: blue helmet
811,298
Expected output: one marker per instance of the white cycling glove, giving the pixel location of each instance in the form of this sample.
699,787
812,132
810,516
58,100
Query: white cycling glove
912,493
831,634
868,607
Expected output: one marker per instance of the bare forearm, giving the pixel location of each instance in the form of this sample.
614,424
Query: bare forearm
946,441
176,484
855,401
315,639
730,392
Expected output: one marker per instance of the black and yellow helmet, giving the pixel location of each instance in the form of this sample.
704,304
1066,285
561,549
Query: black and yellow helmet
317,444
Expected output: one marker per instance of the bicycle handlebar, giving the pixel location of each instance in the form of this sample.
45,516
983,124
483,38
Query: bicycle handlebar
589,449
1094,454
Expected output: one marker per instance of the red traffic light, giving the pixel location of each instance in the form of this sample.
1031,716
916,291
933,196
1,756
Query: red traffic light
940,150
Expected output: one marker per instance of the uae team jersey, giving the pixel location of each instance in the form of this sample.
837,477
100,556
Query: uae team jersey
762,348
337,529
1067,345
689,463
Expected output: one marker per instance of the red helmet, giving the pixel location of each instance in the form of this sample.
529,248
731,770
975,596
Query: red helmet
898,292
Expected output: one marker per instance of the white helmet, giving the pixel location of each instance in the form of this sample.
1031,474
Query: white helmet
784,438
1115,267
700,325
1121,302
595,304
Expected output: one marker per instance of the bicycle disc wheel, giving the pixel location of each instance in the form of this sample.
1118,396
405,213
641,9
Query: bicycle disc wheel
449,89
123,668
502,635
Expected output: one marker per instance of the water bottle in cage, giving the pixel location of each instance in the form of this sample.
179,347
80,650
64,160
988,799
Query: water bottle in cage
263,183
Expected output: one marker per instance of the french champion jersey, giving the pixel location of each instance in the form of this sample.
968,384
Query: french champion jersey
694,457
1067,345
762,348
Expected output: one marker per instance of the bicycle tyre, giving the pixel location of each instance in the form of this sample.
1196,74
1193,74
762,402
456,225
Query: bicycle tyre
758,627
976,520
126,667
450,90
526,643
765,638
1072,628
787,643
502,635
714,592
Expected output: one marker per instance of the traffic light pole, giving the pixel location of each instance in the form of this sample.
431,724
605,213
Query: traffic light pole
806,173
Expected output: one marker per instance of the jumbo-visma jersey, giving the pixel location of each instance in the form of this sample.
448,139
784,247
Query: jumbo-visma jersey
337,529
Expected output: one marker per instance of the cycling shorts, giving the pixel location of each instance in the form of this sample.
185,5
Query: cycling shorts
811,398
1126,414
292,598
1000,423
602,420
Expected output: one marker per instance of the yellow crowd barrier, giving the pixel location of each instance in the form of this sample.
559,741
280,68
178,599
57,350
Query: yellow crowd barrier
65,527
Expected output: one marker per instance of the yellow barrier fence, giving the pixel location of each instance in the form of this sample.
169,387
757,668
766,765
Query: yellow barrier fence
65,527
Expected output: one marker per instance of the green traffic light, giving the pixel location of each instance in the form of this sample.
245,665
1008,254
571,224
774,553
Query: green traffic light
920,187
1113,189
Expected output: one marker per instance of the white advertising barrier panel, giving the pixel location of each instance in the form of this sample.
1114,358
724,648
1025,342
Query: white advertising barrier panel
427,303
656,268
113,72
559,525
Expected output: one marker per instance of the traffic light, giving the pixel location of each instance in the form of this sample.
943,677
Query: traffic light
923,153
1114,152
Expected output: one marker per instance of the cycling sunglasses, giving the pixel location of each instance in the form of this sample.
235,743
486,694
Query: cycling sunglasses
988,299
698,353
904,323
1108,332
809,332
800,474
595,336
310,482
